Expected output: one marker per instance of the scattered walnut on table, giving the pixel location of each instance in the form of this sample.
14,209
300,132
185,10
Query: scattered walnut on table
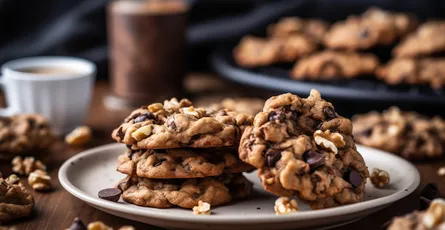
79,136
39,180
27,165
285,205
203,208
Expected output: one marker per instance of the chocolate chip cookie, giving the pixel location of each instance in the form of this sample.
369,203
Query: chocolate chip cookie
313,28
15,200
184,193
426,40
432,218
177,124
302,147
250,106
424,71
254,51
373,28
23,133
407,134
327,65
181,163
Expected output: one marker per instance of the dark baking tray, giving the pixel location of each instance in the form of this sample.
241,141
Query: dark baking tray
367,89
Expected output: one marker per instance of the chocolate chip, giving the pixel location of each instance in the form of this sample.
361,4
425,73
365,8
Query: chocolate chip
314,159
318,126
419,142
429,192
272,156
329,112
32,123
424,203
77,225
120,134
159,162
364,33
353,177
215,159
277,116
294,115
111,194
144,117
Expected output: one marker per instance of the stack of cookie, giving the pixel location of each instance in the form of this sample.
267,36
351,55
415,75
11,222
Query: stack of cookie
179,155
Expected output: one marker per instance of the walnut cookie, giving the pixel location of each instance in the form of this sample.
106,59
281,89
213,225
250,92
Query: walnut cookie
15,200
301,146
185,193
181,163
177,124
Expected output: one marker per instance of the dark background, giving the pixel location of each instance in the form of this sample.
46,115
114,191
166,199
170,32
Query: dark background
78,27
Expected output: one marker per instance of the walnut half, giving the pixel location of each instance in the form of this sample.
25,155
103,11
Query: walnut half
27,165
39,180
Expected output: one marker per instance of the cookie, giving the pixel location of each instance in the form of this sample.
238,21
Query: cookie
16,201
254,51
23,133
184,193
177,124
424,71
428,39
327,65
407,134
312,28
181,163
432,218
250,106
302,147
375,27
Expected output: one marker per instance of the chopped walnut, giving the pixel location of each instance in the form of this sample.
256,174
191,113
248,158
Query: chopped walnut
79,136
270,180
39,180
284,205
127,228
13,179
441,171
142,132
203,208
155,107
379,178
27,165
193,111
329,140
98,225
435,214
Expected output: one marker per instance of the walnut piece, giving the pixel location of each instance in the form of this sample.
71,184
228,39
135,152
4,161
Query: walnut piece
79,136
98,225
441,171
435,214
379,178
203,208
285,205
329,140
39,180
26,166
142,132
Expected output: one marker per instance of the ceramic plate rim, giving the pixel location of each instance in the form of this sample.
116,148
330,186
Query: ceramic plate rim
261,218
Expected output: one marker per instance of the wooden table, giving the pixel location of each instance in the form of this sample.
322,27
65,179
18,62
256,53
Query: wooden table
57,209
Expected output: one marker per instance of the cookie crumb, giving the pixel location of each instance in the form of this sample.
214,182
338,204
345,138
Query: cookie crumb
379,178
203,208
285,205
441,171
79,136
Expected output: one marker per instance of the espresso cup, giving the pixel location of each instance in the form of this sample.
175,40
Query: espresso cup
58,88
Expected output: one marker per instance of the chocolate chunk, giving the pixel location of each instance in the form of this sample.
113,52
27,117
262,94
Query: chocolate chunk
364,33
31,123
314,159
318,126
419,142
429,192
111,194
159,162
215,158
294,115
144,117
78,225
277,116
329,112
353,177
120,134
272,156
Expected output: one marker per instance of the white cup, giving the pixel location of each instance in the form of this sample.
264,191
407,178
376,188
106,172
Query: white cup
62,97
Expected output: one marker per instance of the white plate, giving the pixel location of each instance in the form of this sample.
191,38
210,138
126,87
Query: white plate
88,172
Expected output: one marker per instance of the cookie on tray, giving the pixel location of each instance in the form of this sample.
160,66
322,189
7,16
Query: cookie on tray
313,28
250,106
181,163
424,71
373,28
328,65
408,134
302,147
254,51
428,39
177,124
24,133
185,193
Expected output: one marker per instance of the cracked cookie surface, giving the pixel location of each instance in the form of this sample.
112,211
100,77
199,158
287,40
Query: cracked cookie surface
176,124
302,147
407,134
15,200
185,193
312,28
181,163
328,65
